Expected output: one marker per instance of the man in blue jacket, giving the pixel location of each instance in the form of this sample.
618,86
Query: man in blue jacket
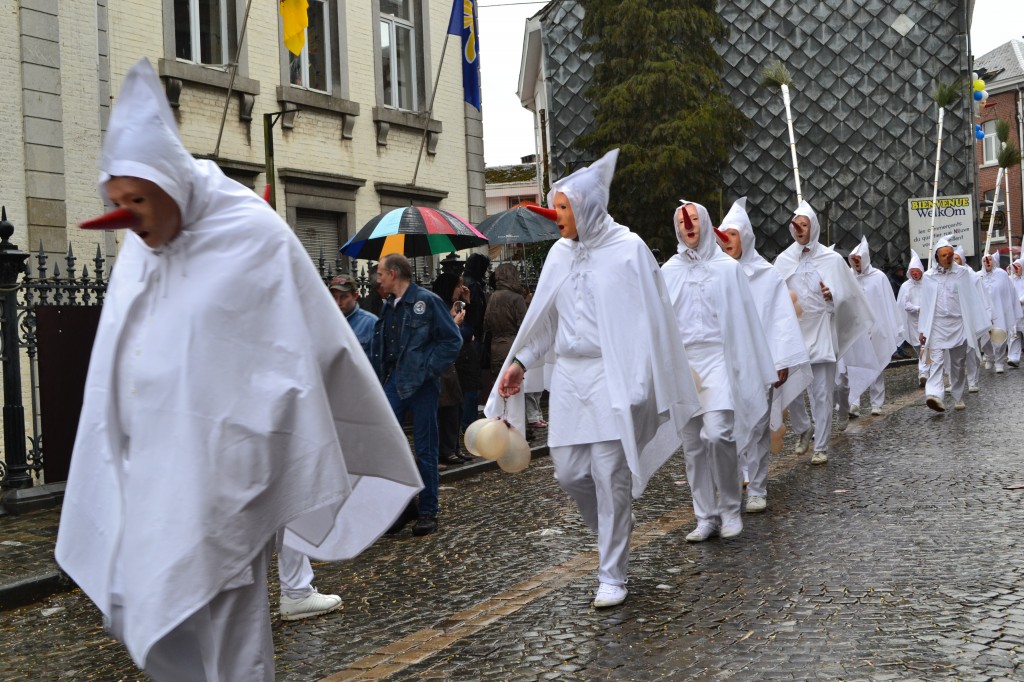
346,295
414,340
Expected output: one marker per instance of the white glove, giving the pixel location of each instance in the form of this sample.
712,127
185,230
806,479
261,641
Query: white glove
911,308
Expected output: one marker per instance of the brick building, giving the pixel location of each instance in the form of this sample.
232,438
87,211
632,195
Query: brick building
1003,72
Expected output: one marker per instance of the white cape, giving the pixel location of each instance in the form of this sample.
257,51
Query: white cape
870,354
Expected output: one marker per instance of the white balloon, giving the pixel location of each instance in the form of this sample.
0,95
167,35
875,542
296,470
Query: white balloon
974,76
997,335
517,457
984,95
492,440
471,434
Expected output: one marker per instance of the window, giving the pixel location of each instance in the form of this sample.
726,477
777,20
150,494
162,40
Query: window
320,232
312,68
203,31
398,50
990,150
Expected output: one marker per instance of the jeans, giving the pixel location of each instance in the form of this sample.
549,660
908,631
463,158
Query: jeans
423,405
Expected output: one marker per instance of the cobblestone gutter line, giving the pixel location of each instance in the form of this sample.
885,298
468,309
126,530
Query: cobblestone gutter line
419,646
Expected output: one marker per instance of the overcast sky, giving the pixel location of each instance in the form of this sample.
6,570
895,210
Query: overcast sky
508,127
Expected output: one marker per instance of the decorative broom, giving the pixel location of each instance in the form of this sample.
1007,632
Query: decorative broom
776,75
1009,156
945,95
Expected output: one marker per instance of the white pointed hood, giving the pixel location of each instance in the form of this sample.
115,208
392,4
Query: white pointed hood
805,209
738,219
587,190
915,263
864,251
708,247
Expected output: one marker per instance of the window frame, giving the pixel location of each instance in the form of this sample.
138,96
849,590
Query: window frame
990,140
195,35
417,29
329,48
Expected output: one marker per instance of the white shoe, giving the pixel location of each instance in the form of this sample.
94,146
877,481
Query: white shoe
842,421
987,364
803,442
732,528
756,503
1000,369
854,411
307,607
876,411
703,531
960,405
935,404
819,457
609,595
973,388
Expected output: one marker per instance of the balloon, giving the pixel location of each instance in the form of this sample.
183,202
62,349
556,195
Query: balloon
974,76
517,457
978,95
979,84
997,335
980,135
471,433
984,95
492,441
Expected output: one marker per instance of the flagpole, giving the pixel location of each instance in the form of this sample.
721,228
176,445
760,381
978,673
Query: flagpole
231,81
430,110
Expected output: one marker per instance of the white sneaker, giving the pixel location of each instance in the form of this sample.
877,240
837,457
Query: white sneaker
819,457
307,607
731,528
756,503
703,531
854,411
842,421
609,595
876,411
960,405
803,442
973,388
1000,369
987,364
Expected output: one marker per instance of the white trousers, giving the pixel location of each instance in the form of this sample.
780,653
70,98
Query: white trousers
293,570
229,639
922,366
821,392
953,361
754,459
712,466
1014,351
995,353
533,411
972,362
597,477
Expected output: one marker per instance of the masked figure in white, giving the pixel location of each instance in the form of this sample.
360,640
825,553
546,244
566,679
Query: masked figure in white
785,341
621,389
953,317
1017,280
834,315
862,367
1006,311
226,399
973,362
908,305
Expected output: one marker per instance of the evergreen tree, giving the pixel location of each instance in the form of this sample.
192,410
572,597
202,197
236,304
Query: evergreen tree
659,97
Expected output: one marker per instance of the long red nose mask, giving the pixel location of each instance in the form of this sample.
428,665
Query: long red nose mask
117,219
548,213
795,226
721,235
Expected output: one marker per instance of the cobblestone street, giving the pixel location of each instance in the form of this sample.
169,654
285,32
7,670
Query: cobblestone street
899,559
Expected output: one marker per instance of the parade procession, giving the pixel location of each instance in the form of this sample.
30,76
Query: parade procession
721,382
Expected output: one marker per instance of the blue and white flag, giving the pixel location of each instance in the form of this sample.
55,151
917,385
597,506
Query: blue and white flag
464,23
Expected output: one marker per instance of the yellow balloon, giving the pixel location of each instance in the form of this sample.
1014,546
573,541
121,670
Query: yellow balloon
979,85
517,457
492,440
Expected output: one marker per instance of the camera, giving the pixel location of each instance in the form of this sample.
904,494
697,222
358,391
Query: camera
460,306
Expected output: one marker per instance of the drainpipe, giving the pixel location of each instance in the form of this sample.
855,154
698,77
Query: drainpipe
1020,142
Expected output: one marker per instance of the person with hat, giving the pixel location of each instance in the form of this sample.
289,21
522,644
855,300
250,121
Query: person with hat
785,341
226,400
953,317
835,314
620,390
345,291
1006,310
862,367
908,304
726,346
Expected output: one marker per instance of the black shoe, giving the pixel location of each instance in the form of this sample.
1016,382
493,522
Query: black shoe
425,525
410,513
449,460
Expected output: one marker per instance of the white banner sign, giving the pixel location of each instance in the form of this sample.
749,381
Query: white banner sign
955,219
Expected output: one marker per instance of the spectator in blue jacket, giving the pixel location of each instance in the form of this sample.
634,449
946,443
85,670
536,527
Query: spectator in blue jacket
346,295
414,341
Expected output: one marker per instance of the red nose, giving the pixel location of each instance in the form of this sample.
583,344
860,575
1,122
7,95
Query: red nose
548,213
115,220
795,226
687,221
721,235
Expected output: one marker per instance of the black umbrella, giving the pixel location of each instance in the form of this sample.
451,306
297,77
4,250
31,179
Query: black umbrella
518,226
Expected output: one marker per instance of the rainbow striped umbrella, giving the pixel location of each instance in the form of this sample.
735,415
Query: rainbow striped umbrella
412,231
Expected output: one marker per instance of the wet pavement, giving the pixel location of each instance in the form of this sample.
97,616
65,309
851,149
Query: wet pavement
899,559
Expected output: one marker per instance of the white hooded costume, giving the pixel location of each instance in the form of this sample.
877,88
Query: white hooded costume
1018,288
864,362
785,342
953,318
226,399
908,306
829,327
726,346
621,380
1006,309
